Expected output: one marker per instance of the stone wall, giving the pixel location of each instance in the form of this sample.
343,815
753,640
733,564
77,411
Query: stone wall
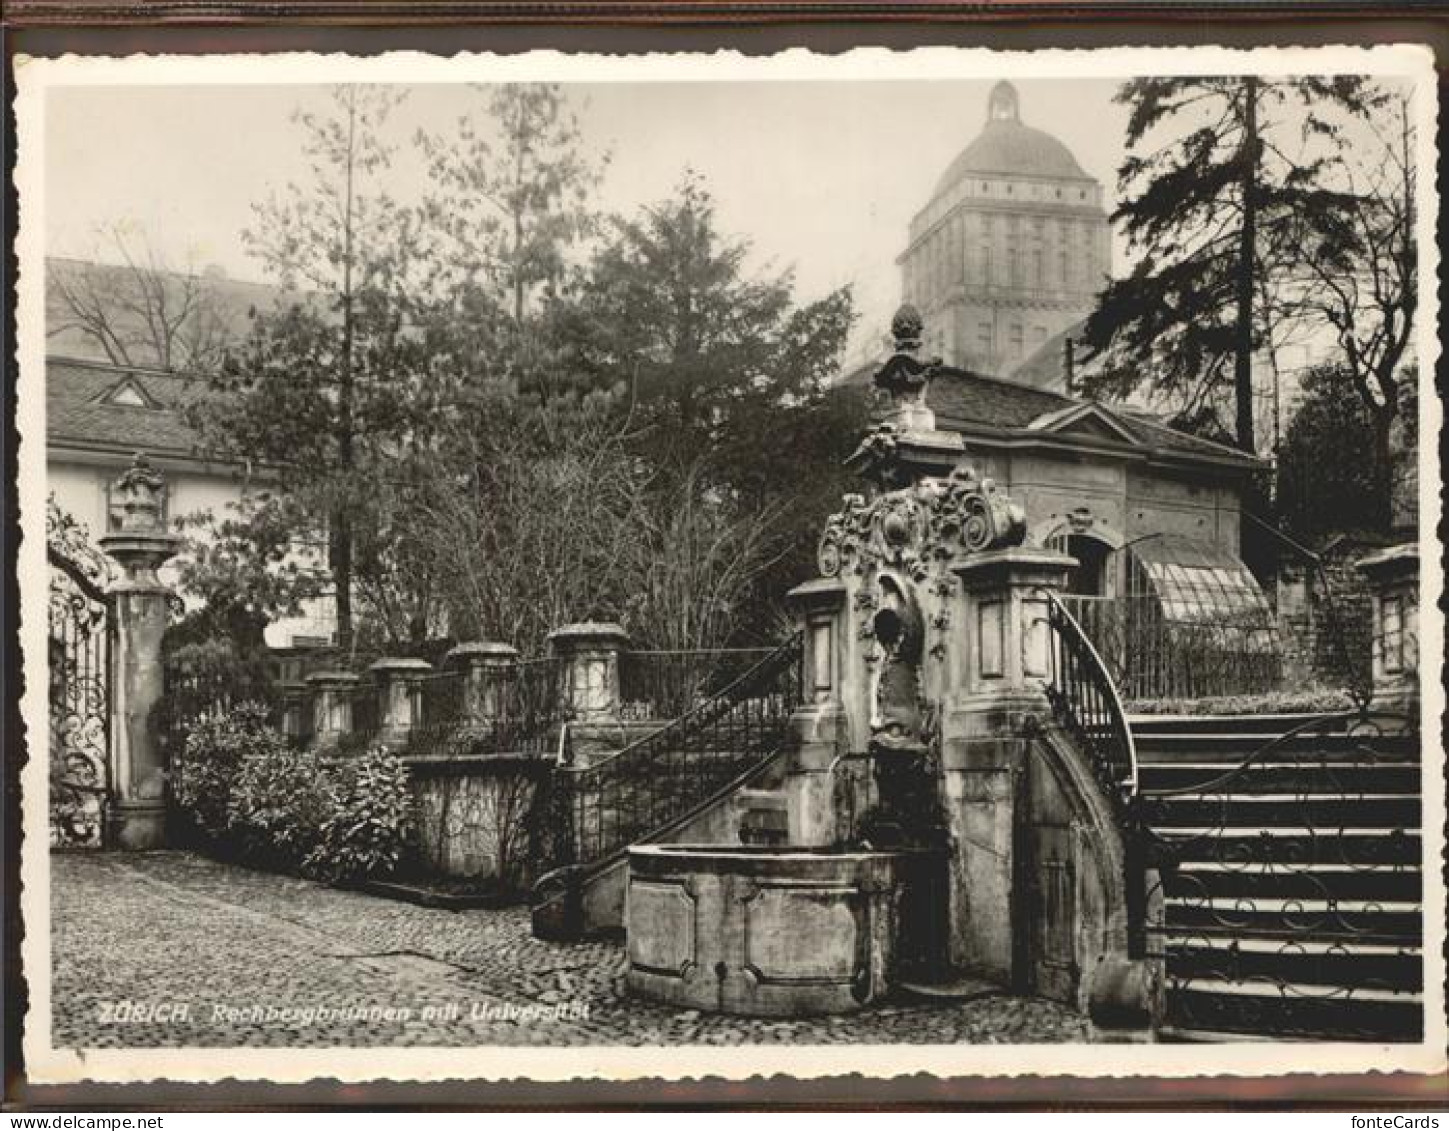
478,817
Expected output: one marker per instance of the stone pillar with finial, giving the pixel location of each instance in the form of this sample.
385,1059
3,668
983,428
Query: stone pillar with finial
905,445
141,545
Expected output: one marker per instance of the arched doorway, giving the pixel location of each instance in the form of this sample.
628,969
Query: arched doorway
1092,589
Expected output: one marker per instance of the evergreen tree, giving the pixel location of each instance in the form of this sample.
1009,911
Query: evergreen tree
1317,494
670,316
324,390
511,201
1214,192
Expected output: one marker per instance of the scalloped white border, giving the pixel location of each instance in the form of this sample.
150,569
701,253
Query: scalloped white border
46,1065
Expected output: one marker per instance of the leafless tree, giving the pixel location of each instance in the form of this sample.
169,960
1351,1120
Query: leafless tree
531,534
1363,279
140,311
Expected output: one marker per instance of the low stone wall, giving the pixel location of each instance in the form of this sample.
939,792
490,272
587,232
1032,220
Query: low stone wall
478,815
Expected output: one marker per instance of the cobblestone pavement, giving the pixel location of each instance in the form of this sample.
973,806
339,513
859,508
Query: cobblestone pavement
248,954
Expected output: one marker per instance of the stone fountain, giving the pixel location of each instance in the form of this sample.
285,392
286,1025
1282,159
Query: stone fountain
943,829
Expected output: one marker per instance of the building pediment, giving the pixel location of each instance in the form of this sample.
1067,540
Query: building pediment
1087,421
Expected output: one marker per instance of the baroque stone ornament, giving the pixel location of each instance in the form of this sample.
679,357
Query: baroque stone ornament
137,501
905,374
917,527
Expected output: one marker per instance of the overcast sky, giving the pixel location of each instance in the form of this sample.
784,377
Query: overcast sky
821,176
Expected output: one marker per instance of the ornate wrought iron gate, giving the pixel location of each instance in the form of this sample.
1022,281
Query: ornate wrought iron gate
82,638
1291,884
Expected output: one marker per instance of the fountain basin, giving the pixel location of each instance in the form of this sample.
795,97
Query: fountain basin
765,931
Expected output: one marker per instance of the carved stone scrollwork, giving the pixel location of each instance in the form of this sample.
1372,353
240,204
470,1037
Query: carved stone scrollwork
934,520
843,537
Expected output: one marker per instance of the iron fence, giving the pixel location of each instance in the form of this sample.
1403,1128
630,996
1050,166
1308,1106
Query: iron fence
1086,702
515,709
1291,885
664,684
1156,651
366,714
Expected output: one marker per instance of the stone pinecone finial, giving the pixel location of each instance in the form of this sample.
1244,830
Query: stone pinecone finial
906,328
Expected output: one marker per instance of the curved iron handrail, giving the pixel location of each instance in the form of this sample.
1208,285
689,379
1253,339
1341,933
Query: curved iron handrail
1307,727
652,780
1085,699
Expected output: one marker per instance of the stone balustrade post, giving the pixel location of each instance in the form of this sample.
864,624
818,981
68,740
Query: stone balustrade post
1394,575
589,653
332,693
295,709
136,818
486,667
820,720
400,698
1000,662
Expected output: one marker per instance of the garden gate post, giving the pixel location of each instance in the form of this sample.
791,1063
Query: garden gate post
141,545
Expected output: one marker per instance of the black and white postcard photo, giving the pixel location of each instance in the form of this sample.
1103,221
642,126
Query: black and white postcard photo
598,567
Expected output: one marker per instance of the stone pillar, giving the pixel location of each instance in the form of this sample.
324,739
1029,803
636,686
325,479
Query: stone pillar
137,815
820,723
1394,575
332,693
486,666
400,698
590,656
295,709
1000,659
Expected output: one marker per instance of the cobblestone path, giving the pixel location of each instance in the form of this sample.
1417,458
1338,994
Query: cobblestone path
172,949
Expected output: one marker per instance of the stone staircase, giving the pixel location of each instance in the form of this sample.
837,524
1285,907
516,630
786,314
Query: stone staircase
1292,891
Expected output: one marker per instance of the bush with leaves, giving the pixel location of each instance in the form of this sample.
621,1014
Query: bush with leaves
366,817
278,805
206,769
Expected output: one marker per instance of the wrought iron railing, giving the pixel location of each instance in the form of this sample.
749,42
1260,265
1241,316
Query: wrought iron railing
1085,700
520,711
1291,883
1157,653
367,714
1354,663
664,684
600,809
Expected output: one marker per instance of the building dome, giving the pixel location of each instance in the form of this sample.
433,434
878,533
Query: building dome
1007,147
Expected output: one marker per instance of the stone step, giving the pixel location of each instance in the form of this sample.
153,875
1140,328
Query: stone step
1280,776
1330,814
1304,962
1293,1010
1233,749
1292,847
1266,725
1233,880
1288,920
959,989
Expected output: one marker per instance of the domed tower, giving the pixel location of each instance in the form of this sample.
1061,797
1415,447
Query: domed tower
1012,248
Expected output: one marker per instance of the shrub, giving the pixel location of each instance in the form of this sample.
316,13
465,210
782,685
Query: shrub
278,806
367,818
1307,700
205,770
